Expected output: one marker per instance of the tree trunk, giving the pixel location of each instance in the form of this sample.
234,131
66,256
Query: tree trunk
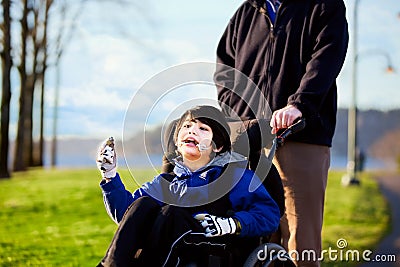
21,158
6,64
28,118
41,81
40,159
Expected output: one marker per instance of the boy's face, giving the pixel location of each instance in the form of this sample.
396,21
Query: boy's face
194,141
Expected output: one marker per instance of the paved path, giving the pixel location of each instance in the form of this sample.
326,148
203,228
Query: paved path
390,186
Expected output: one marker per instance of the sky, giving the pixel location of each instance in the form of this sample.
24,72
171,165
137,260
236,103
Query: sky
118,51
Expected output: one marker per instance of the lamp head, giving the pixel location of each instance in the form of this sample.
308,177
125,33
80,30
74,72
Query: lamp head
390,69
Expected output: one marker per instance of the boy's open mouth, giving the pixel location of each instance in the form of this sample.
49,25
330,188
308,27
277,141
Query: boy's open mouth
190,141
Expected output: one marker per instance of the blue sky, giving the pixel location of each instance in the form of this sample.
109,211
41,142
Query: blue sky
104,66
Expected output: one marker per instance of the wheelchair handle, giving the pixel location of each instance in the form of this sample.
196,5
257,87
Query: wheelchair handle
279,140
294,128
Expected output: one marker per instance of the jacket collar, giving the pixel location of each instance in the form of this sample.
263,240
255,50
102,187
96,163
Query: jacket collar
260,4
219,161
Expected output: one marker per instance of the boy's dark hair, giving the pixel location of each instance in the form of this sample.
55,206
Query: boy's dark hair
214,118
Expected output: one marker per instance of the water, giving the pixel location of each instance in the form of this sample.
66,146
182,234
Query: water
155,160
340,162
87,161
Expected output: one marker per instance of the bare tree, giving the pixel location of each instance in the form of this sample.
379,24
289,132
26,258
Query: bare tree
64,36
36,52
6,64
40,68
32,67
21,158
66,33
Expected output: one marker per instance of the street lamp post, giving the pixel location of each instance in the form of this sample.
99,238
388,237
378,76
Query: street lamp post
350,178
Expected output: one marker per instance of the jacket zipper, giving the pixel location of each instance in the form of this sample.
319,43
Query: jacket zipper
263,11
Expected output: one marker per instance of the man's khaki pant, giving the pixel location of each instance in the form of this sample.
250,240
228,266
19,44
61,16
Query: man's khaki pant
304,171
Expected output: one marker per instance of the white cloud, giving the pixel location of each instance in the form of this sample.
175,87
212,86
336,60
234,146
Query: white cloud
93,96
105,69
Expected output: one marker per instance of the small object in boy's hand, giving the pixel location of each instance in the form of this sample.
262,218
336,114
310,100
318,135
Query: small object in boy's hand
106,160
110,142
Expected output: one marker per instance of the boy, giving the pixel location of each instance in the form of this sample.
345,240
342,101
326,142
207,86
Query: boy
207,196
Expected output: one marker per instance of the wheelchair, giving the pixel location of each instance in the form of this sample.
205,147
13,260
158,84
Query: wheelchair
249,137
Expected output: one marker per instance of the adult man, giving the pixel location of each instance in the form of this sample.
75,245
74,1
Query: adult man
292,53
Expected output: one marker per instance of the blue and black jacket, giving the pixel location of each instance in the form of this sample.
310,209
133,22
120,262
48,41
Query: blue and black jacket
219,188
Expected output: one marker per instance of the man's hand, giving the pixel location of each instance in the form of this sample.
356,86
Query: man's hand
283,118
216,226
107,159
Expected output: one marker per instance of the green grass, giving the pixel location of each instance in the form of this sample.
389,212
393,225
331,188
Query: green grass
54,218
358,214
57,218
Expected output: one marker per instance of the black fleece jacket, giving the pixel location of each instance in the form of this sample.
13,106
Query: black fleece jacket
265,66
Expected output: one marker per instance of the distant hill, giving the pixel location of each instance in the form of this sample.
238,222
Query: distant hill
373,125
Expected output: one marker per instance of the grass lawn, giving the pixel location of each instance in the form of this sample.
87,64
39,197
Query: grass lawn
356,215
57,218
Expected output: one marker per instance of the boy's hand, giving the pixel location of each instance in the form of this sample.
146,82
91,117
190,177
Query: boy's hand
107,159
216,226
